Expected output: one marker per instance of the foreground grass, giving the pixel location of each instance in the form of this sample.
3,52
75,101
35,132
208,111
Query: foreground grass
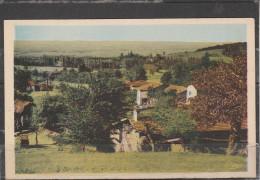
47,159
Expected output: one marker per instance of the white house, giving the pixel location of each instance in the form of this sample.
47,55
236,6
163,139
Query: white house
191,92
142,98
30,86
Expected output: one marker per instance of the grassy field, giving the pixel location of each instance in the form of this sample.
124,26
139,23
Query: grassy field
216,55
56,83
103,48
156,77
45,158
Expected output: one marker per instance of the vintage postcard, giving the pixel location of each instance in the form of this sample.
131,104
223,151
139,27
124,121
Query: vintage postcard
128,98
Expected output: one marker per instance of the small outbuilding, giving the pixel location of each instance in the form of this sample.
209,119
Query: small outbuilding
31,86
191,92
22,112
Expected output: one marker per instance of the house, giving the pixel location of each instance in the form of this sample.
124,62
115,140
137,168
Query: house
125,137
130,135
136,84
30,86
174,145
191,92
43,87
142,98
183,94
180,92
22,109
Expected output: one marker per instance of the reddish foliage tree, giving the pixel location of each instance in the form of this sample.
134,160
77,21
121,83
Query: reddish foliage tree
222,97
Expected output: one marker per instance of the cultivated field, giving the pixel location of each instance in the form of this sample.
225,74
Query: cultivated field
104,48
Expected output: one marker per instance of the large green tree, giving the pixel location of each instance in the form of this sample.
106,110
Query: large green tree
21,78
166,77
175,123
222,97
91,112
136,73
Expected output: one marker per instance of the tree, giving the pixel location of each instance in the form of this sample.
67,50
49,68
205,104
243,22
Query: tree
222,97
176,123
35,124
49,110
90,111
136,73
83,68
166,77
117,74
21,78
35,72
205,60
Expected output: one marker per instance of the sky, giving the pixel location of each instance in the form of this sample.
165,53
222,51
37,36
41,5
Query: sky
176,32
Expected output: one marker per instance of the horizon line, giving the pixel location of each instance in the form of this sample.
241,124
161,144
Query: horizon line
130,41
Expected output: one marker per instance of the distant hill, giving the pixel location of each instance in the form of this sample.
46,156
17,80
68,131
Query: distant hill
104,48
215,54
222,53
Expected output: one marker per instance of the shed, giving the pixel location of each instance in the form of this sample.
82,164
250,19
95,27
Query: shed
22,110
30,86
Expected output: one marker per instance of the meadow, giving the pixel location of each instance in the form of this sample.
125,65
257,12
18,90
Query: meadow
46,158
104,48
156,77
215,55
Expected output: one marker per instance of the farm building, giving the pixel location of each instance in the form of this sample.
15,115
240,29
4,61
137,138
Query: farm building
135,84
180,91
131,135
142,98
191,92
31,86
43,87
22,112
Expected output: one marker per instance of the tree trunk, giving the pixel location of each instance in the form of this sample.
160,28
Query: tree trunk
150,140
234,138
36,137
152,147
148,134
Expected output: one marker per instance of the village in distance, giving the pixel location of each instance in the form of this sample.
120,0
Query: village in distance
130,107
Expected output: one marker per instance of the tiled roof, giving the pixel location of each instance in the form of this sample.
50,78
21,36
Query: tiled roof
146,86
179,89
140,125
20,105
135,83
31,83
138,84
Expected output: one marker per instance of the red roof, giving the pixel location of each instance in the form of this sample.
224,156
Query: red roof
31,83
135,82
